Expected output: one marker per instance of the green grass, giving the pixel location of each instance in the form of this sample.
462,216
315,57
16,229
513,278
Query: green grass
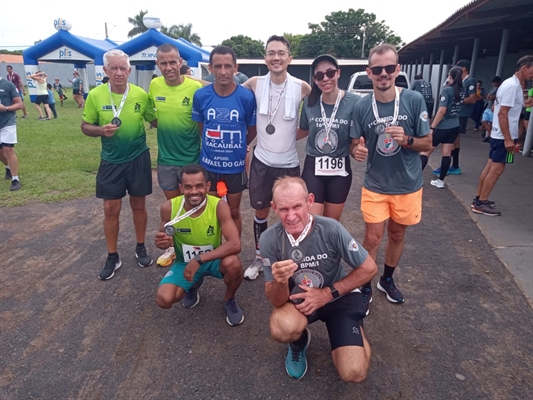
57,162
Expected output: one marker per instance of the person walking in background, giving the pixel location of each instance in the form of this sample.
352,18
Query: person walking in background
58,87
486,123
424,88
77,89
42,95
51,100
477,111
17,81
445,126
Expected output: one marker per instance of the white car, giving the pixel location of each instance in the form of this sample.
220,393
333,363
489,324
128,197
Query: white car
361,84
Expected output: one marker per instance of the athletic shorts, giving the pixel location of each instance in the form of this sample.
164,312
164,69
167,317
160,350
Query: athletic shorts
343,320
405,209
429,106
498,153
75,92
168,176
8,136
236,183
41,99
447,136
327,189
175,275
262,178
135,176
463,122
527,115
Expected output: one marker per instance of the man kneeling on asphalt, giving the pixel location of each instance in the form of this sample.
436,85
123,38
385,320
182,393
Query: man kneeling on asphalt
305,282
194,224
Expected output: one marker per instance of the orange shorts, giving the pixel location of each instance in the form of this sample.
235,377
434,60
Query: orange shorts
405,209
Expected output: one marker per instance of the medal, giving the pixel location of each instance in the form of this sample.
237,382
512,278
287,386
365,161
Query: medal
170,230
270,129
116,121
328,123
296,254
327,148
383,121
116,112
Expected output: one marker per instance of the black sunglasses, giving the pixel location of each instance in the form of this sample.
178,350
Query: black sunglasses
389,69
330,73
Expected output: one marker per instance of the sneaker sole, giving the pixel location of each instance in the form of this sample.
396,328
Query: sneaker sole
195,304
388,297
113,274
164,263
230,324
438,187
306,364
476,211
142,265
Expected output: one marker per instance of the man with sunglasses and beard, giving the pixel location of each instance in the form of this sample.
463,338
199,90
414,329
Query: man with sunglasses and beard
278,96
394,128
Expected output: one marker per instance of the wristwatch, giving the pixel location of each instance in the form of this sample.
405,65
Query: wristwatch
410,141
7,109
334,292
198,259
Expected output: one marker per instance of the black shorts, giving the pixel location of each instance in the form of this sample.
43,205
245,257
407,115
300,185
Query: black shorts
262,179
429,106
463,122
327,189
41,99
75,91
498,153
527,115
343,319
135,176
445,136
236,183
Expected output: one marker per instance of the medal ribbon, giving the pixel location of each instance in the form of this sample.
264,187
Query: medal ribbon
116,112
302,235
327,126
179,217
396,108
271,113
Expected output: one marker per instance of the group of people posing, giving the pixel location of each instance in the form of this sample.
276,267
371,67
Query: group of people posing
203,133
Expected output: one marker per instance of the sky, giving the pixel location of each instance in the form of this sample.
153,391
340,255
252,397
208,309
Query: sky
212,20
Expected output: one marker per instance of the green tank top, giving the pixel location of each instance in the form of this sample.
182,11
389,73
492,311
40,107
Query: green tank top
196,235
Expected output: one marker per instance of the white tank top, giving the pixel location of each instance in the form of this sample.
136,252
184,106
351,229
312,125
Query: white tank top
279,149
41,89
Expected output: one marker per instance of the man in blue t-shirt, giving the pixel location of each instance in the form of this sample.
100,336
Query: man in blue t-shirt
225,112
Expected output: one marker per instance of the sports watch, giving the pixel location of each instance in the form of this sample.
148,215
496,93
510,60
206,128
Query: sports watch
198,259
410,141
334,292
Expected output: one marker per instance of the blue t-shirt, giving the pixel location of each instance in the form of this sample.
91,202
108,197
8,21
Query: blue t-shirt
226,121
51,99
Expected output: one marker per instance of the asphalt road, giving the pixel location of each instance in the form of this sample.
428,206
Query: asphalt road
464,331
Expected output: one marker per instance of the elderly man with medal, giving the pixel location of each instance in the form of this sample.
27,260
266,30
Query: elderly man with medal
305,282
116,112
194,224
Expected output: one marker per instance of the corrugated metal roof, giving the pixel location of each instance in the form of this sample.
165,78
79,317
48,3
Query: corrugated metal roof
300,61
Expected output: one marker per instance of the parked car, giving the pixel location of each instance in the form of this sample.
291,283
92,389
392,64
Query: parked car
361,84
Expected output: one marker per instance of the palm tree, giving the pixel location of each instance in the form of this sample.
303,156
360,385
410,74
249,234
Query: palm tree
182,31
138,24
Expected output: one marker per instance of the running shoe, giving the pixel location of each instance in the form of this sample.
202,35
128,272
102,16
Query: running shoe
234,314
437,183
389,287
143,258
192,297
485,209
252,272
436,172
167,257
367,298
111,265
454,171
296,360
487,202
15,185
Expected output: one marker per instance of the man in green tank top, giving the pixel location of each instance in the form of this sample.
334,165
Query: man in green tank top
194,224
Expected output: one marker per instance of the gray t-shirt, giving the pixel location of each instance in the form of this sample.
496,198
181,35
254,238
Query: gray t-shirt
469,87
391,168
451,118
76,82
424,88
8,92
342,129
492,92
324,246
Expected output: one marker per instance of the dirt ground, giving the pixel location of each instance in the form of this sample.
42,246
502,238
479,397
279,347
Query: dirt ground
464,331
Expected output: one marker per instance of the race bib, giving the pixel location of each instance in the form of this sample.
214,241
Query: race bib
328,166
189,252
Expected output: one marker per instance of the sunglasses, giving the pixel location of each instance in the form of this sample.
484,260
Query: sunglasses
330,73
389,69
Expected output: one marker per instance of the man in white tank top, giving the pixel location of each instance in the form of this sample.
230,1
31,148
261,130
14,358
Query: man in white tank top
278,96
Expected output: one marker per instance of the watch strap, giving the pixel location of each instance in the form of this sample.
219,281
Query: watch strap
334,292
198,259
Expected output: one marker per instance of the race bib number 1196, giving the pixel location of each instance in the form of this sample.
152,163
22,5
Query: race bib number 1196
328,166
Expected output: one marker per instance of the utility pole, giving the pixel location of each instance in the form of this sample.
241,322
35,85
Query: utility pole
106,35
363,29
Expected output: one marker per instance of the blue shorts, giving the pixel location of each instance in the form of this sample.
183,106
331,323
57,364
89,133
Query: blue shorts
498,153
175,275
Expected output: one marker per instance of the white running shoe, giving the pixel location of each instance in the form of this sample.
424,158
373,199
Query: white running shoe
167,257
252,272
438,183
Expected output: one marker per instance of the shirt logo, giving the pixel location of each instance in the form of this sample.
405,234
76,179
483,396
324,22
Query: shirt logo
160,98
186,101
107,108
353,245
137,108
210,230
424,116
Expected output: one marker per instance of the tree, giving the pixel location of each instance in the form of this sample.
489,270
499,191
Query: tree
182,31
294,40
245,46
138,24
341,35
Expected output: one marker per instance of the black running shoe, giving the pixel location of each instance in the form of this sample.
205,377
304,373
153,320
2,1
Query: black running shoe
15,185
111,265
143,258
389,287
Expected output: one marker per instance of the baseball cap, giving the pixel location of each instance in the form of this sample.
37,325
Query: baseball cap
324,57
463,63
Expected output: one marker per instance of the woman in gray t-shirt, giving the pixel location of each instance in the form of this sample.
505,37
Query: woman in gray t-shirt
445,126
327,120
